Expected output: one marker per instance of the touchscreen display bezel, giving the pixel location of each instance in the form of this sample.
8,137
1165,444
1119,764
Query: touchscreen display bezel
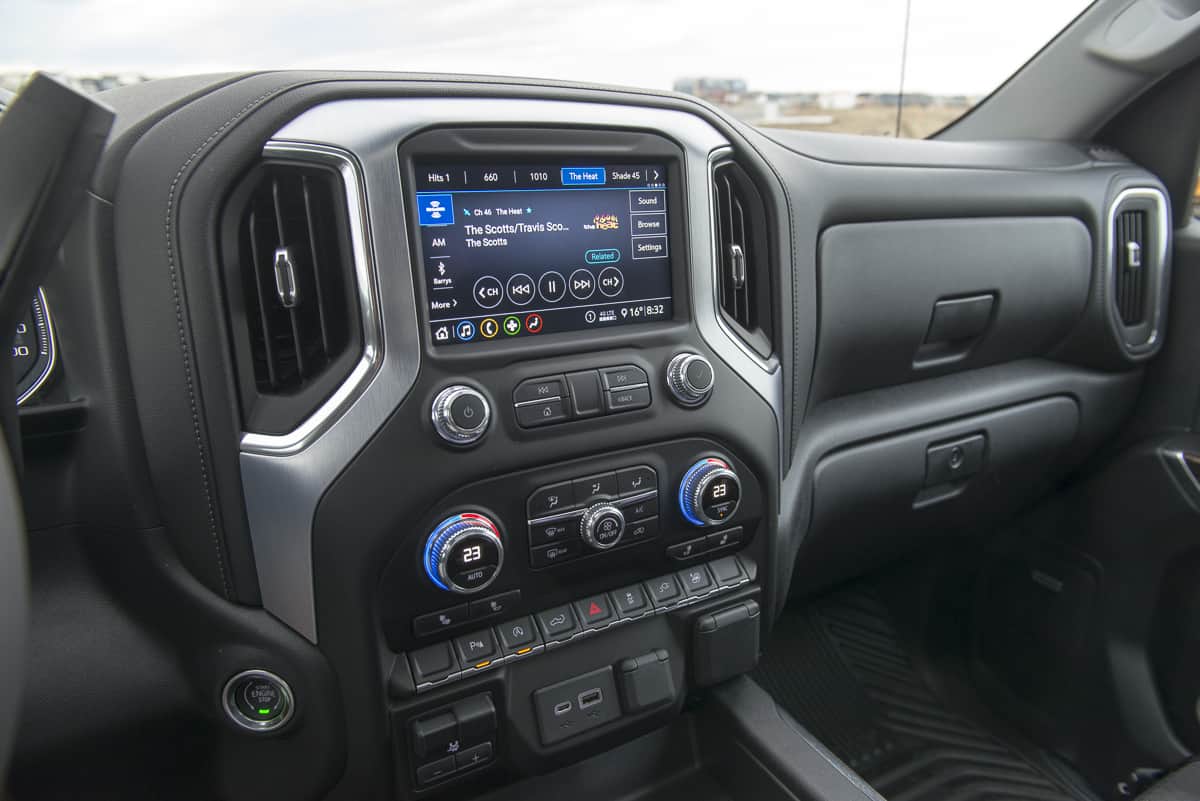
482,147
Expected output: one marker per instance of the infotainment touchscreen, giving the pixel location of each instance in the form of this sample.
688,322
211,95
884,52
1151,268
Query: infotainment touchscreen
530,250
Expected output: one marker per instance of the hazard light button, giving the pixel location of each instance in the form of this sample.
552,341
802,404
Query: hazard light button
594,611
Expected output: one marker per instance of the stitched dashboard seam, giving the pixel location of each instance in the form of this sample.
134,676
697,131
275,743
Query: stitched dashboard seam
197,431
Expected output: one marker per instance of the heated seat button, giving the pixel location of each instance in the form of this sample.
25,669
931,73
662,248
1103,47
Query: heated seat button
594,611
724,539
495,605
557,623
477,648
686,550
549,500
424,625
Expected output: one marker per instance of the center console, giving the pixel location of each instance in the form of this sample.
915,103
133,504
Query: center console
564,476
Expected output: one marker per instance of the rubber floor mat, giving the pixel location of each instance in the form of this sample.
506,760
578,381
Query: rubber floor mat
840,670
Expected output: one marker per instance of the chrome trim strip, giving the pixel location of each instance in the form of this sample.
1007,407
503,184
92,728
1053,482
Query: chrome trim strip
576,512
368,303
283,481
1181,457
52,344
1162,232
714,161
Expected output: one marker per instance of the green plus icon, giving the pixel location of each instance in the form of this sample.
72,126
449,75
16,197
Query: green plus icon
512,325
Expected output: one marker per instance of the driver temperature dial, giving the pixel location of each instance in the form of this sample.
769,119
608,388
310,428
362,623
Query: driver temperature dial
464,553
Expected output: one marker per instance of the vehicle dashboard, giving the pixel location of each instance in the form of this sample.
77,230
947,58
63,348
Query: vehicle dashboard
479,422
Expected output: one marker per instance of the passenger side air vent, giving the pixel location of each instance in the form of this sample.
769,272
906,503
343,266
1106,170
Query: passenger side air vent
290,281
1131,266
743,265
1138,248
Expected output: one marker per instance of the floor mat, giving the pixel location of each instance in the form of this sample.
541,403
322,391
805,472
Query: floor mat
839,669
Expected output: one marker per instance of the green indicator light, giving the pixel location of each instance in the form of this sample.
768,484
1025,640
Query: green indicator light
264,711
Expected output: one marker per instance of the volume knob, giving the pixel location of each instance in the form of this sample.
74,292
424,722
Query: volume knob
690,378
461,415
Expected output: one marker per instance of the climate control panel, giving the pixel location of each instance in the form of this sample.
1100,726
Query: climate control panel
510,544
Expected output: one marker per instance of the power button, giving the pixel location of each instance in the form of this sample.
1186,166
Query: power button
258,700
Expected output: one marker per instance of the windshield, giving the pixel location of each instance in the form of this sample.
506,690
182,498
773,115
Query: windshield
849,66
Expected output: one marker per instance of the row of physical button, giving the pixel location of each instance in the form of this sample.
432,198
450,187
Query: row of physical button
571,545
729,538
579,492
479,651
556,398
455,616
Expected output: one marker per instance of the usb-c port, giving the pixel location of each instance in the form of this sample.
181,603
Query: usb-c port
562,708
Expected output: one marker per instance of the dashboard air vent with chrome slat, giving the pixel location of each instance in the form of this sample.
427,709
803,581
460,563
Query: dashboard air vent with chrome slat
290,284
1130,266
743,269
1138,255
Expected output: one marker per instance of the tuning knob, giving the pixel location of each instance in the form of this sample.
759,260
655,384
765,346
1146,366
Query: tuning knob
709,493
690,378
461,415
464,553
602,526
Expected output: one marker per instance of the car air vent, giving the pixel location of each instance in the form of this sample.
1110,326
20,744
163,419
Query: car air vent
290,281
1138,248
743,266
1130,254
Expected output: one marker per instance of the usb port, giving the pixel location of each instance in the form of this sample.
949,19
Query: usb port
590,697
562,708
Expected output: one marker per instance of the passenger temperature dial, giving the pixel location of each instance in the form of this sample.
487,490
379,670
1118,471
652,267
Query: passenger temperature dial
464,553
709,493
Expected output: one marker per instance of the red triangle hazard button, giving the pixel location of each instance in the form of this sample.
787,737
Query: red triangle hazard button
594,610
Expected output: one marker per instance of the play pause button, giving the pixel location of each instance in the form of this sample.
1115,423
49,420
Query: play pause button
552,286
